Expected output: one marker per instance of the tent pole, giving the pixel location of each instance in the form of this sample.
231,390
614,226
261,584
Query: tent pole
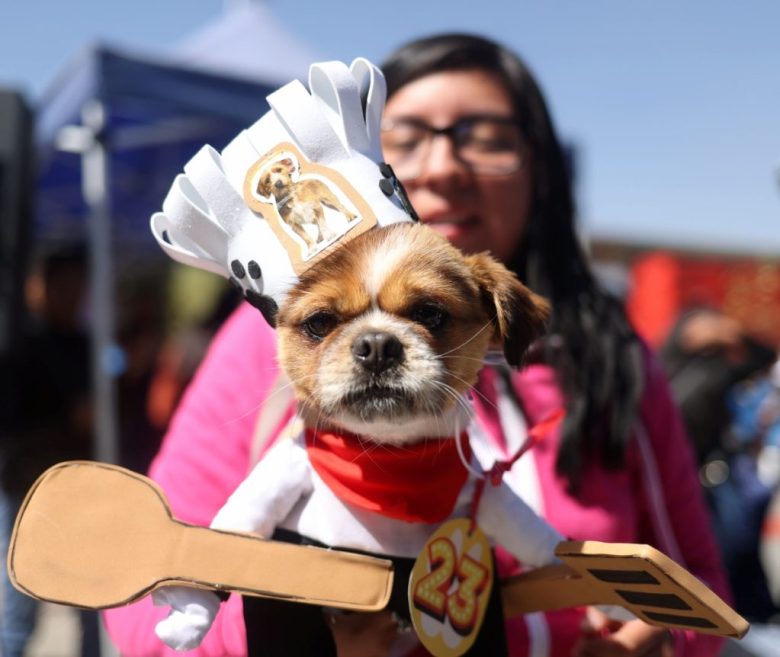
95,188
95,177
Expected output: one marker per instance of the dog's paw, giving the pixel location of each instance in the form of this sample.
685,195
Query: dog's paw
192,613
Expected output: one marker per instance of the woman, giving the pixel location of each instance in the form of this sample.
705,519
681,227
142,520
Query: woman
467,131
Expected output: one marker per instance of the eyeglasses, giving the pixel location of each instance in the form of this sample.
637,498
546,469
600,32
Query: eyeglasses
488,145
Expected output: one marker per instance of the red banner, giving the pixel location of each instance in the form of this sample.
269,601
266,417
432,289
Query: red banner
663,285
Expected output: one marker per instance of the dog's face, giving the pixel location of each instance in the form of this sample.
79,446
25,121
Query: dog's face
384,336
276,179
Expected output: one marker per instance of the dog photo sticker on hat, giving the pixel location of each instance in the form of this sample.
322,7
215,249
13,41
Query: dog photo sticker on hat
308,206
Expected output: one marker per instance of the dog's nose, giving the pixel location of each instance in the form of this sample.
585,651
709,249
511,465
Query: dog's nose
377,351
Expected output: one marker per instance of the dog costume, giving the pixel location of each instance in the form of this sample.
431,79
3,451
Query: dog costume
324,489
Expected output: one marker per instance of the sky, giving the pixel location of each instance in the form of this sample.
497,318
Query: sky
674,107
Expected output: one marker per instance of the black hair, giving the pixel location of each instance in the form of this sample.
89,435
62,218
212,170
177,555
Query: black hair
596,353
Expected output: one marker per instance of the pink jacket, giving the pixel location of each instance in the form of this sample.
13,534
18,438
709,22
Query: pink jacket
208,452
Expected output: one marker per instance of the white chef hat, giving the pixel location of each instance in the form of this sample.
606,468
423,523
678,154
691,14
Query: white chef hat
305,178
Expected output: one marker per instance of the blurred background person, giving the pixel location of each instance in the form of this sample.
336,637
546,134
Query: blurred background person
191,330
718,375
769,470
47,412
754,466
706,353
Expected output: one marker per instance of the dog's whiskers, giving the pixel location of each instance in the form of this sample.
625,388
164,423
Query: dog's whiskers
481,361
455,395
263,402
487,325
478,392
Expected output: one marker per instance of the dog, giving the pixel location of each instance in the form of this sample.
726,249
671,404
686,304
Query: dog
381,340
300,203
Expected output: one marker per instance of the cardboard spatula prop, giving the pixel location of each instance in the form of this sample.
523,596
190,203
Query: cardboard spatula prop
96,536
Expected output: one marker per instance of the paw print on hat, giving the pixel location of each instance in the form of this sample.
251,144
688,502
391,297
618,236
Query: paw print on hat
304,179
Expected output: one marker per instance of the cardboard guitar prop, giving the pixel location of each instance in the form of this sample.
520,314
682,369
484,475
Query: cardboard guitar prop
94,535
97,536
639,578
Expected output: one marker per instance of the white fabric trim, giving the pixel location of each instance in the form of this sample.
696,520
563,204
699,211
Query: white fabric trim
651,481
538,634
280,400
654,491
523,480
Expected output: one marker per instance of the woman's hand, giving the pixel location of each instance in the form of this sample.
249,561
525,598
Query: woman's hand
605,637
364,634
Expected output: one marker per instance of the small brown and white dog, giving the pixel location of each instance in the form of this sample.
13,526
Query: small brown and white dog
381,341
383,337
300,203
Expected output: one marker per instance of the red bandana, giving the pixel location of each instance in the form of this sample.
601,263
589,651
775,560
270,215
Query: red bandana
415,483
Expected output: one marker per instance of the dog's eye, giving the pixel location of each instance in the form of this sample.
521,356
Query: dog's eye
430,315
319,324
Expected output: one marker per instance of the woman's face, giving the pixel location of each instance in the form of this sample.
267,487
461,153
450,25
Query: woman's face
475,211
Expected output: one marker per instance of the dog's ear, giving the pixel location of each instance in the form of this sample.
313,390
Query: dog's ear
262,186
519,316
288,164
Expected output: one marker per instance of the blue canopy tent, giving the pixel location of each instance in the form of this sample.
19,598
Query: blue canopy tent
155,116
115,128
157,111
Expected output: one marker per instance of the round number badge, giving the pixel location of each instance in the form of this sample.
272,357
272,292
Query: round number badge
449,588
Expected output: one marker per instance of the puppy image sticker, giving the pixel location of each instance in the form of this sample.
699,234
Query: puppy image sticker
309,206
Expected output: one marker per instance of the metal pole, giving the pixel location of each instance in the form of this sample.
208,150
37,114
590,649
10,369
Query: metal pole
95,179
96,191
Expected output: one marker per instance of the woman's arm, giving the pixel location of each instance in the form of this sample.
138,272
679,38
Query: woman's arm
674,519
677,518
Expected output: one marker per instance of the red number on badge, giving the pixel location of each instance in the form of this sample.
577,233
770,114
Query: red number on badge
430,594
462,604
432,597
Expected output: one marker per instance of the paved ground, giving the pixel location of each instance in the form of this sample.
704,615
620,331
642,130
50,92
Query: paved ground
58,633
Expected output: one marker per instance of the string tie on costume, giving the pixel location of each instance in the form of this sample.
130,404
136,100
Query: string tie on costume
536,434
